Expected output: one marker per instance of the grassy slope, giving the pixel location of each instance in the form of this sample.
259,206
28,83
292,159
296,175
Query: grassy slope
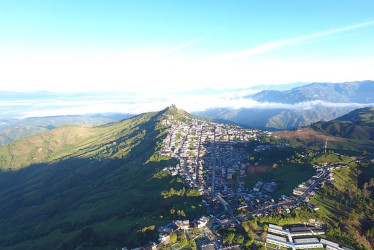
87,187
344,206
15,129
358,125
288,175
347,211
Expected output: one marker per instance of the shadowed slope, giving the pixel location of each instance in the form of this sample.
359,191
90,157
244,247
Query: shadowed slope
90,188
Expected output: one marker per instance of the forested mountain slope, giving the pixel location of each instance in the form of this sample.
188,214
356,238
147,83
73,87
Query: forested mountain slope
89,187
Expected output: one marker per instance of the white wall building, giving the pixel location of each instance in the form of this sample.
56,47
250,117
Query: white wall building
278,240
277,229
306,243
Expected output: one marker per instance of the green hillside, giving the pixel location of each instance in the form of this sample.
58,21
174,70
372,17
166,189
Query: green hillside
358,124
362,117
89,187
348,206
11,130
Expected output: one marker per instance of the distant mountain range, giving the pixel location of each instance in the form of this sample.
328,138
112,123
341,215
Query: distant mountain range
85,187
14,129
273,118
348,92
300,106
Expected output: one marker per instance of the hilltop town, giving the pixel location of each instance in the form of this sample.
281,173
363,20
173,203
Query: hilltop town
213,160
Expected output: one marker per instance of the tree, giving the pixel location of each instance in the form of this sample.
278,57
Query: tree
195,230
229,238
182,236
266,227
250,233
239,239
192,243
249,242
246,226
183,242
173,238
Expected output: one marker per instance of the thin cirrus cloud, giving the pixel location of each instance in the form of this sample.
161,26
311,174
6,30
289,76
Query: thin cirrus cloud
191,42
180,47
266,47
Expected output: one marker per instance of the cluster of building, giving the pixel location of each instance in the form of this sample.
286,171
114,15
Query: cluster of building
179,226
269,187
211,159
209,154
299,237
307,188
323,175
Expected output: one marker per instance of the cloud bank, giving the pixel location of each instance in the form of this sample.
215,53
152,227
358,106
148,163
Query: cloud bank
134,104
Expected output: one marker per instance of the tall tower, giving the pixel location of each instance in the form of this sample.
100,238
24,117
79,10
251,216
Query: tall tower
214,162
326,146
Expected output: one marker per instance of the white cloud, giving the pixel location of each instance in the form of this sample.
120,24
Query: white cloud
179,47
266,47
143,72
156,73
146,103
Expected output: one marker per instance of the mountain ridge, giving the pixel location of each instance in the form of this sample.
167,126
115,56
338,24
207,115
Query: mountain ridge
65,188
358,124
14,129
355,92
297,107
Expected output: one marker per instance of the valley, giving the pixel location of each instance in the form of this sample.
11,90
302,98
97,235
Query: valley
187,125
96,187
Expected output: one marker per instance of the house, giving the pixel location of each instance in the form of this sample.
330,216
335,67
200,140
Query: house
182,224
163,238
202,222
235,247
208,247
168,229
150,246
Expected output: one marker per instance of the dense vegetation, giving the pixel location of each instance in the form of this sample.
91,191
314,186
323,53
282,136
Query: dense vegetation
348,206
245,234
359,125
80,187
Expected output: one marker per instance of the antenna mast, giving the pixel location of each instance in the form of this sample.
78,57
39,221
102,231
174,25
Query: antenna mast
326,146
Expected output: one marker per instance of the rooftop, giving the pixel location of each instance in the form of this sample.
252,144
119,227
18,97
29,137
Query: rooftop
275,237
307,240
272,226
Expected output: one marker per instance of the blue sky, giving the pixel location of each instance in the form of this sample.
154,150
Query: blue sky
176,46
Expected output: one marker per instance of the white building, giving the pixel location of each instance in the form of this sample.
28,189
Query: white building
330,245
278,240
277,229
202,222
306,243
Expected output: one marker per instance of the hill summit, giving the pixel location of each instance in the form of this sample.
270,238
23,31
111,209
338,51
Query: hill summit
86,187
